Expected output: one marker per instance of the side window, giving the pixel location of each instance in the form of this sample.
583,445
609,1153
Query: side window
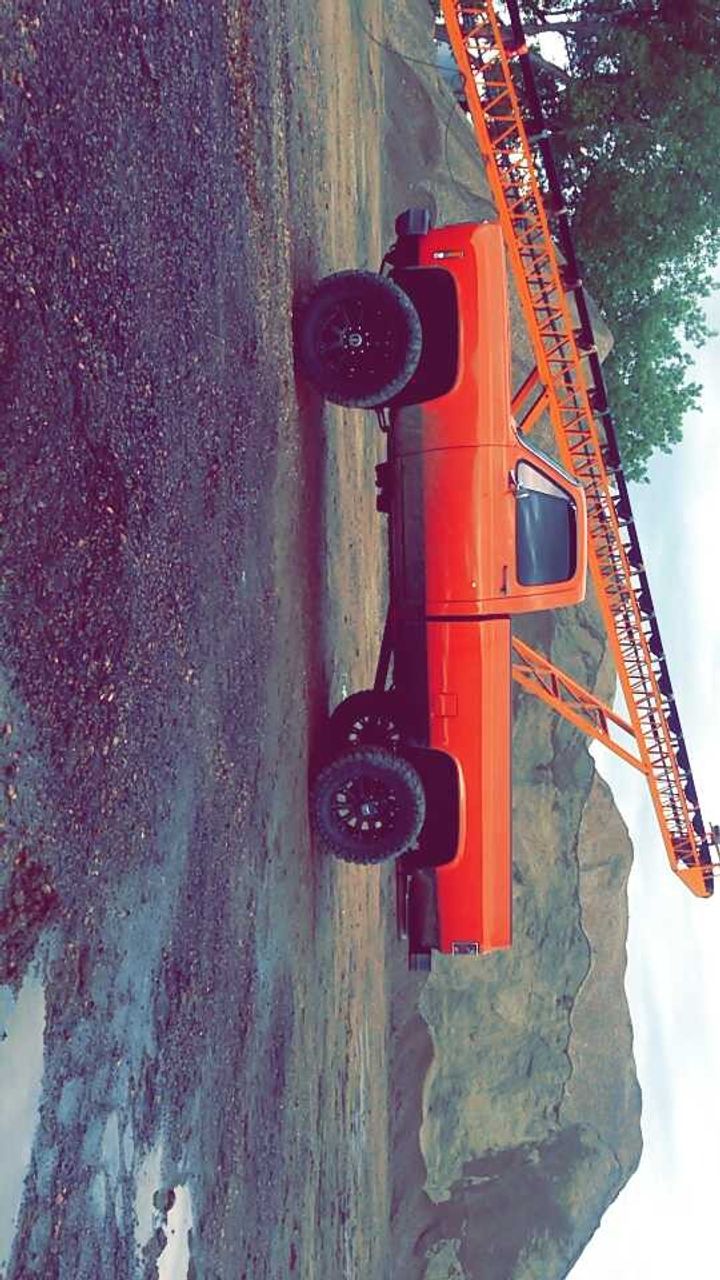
545,529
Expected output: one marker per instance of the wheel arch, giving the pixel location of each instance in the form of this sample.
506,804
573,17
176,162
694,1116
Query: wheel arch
442,784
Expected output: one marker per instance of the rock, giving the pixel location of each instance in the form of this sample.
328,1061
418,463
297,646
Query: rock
164,1199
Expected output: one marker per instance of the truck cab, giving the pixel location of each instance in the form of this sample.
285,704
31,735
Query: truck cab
482,526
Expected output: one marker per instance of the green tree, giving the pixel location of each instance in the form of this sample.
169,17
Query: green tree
636,117
694,23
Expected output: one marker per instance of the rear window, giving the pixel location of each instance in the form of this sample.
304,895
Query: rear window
545,528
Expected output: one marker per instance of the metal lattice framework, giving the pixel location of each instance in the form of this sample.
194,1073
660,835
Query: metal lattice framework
488,55
539,676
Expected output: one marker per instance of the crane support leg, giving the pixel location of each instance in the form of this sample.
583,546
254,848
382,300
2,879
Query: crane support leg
532,386
538,675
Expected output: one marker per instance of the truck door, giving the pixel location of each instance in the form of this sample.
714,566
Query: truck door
453,529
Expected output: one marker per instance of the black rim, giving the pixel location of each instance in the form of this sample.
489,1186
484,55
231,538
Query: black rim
365,809
360,341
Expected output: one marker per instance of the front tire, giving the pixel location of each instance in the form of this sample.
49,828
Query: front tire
368,806
359,339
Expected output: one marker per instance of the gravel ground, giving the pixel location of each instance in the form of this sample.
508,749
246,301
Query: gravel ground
193,572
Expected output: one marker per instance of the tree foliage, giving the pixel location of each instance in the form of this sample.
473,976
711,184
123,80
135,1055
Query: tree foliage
636,117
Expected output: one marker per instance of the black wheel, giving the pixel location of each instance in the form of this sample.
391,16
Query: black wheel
367,719
359,339
368,806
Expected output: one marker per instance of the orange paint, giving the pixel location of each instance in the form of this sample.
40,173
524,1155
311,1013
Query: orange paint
457,462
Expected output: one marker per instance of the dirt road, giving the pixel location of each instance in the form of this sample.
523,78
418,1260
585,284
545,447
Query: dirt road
194,575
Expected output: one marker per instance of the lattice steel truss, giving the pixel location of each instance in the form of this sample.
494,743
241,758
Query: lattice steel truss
488,56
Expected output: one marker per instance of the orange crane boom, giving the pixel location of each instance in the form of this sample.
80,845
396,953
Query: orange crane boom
490,58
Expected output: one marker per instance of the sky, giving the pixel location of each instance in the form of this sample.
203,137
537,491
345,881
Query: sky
662,1223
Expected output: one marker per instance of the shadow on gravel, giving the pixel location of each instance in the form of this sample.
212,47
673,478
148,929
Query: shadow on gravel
163,556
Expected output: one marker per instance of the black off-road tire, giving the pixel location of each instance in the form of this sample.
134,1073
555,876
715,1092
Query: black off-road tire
374,779
359,339
367,719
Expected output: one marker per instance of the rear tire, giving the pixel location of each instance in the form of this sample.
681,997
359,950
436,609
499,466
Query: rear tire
367,719
359,339
368,806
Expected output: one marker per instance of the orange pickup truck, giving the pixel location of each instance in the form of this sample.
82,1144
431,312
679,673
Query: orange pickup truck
482,526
